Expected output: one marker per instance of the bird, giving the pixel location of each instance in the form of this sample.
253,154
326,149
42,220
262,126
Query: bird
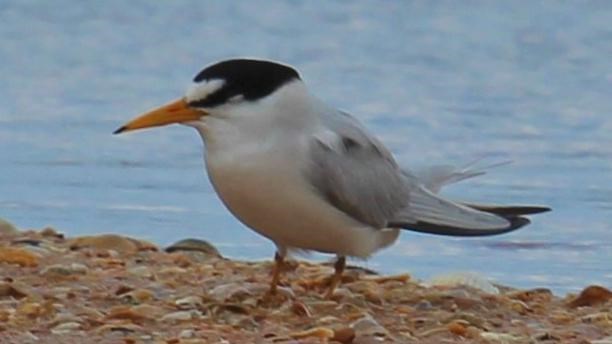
310,177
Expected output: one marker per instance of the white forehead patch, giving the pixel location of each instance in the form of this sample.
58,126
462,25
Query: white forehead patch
201,90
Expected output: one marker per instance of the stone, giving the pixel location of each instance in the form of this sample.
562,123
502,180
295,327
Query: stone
7,228
113,242
591,296
189,302
503,338
137,296
181,316
467,279
344,335
140,271
458,327
123,327
323,333
187,333
66,327
50,232
538,295
10,290
301,309
368,326
194,245
65,270
21,257
134,314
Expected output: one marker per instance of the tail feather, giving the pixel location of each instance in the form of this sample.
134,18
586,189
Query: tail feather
437,176
429,213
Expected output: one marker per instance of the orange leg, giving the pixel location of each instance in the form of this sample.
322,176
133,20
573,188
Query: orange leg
337,277
279,262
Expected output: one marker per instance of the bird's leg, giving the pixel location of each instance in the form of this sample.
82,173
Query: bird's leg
279,262
337,277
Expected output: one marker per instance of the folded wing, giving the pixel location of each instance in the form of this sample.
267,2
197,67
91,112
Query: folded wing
355,173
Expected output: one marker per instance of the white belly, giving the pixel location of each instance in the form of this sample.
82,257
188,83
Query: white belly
268,193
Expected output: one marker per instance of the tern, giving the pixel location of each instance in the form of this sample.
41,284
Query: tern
310,177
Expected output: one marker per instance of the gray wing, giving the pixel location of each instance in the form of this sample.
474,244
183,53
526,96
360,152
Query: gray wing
355,172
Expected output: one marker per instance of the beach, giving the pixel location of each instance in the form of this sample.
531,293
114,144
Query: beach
110,288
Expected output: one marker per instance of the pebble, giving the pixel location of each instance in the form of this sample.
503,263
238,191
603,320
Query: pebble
467,279
544,336
31,309
136,313
64,318
538,295
323,333
187,333
65,270
604,318
51,232
424,305
7,228
367,325
137,296
328,319
113,242
520,306
140,295
467,319
149,311
189,302
10,290
226,291
503,338
123,327
194,245
182,316
141,271
66,327
591,296
344,335
458,327
301,309
21,257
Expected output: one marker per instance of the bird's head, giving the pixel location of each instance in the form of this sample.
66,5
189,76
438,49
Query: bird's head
223,84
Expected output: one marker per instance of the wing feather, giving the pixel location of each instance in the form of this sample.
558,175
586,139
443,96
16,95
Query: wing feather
354,172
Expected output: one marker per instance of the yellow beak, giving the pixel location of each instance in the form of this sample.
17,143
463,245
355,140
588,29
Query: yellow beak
175,112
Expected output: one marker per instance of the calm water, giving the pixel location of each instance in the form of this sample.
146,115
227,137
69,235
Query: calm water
530,82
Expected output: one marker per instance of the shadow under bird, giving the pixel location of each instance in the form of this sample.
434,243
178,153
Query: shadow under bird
310,177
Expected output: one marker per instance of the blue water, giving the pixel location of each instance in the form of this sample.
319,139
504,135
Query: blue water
439,82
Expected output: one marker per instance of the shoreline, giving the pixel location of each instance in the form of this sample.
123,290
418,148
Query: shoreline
115,289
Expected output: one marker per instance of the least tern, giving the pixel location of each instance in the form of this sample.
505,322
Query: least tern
308,176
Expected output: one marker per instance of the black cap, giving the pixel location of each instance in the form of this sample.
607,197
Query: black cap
251,79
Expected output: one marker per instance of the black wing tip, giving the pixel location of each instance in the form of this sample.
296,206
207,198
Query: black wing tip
538,209
516,222
120,130
527,210
510,209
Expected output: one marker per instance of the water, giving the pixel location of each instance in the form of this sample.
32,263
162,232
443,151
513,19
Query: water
438,82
